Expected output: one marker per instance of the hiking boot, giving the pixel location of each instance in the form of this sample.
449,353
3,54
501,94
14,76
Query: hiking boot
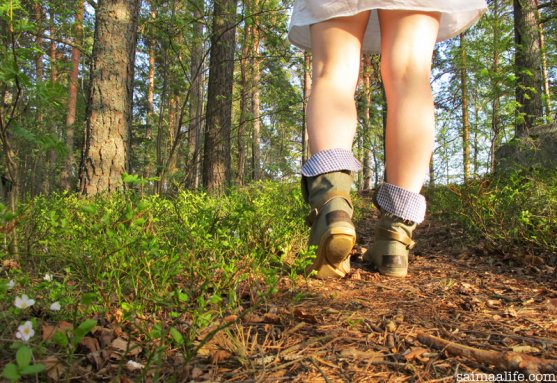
393,242
330,219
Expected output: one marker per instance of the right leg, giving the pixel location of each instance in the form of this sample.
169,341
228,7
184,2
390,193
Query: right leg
407,41
332,120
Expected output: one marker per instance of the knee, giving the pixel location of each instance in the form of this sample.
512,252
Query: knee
405,72
342,78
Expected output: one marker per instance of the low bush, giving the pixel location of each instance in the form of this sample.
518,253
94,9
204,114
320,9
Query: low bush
509,212
179,264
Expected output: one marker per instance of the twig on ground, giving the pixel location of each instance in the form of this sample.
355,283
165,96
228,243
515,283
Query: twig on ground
506,360
312,361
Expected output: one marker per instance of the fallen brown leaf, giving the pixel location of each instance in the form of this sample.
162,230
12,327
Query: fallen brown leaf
90,343
354,353
48,331
54,368
121,346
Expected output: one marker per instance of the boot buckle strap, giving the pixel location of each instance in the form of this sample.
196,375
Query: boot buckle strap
399,237
325,200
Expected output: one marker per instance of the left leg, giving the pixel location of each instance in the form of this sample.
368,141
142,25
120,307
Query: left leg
407,41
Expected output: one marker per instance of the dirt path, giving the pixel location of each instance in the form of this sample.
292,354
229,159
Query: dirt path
364,328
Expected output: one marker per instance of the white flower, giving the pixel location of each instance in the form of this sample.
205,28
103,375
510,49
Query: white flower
48,277
11,284
25,331
23,302
133,365
55,306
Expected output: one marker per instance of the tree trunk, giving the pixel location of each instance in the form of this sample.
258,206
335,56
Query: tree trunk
196,99
150,120
545,75
367,149
495,103
39,15
529,84
465,116
162,105
49,178
306,93
255,100
475,141
173,129
216,171
67,172
246,85
40,65
431,172
105,157
53,61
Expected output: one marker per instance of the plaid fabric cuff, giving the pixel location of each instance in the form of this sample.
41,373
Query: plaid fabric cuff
331,160
401,202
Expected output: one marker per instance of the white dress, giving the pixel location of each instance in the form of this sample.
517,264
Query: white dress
456,16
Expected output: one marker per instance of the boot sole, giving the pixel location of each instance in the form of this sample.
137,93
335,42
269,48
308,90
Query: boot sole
333,255
395,272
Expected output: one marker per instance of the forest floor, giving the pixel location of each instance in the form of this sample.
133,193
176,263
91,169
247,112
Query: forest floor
370,328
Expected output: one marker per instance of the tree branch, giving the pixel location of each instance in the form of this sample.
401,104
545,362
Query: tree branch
505,361
62,41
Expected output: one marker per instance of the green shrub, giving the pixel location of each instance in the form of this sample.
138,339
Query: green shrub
519,210
184,262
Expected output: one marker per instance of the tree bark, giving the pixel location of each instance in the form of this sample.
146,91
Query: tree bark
68,171
39,14
495,103
306,93
105,157
49,178
150,120
465,115
529,84
162,105
545,75
245,84
196,99
367,149
255,99
216,170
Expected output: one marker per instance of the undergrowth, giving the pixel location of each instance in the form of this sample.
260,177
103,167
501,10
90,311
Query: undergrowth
168,271
516,212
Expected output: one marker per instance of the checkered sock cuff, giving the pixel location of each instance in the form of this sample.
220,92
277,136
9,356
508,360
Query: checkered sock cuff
330,160
401,202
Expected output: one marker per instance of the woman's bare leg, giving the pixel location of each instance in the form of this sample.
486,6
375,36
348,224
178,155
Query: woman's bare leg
407,41
331,111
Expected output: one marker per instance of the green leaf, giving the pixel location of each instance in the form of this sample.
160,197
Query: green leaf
177,336
130,178
88,298
32,369
85,327
89,208
82,330
23,357
11,372
60,339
